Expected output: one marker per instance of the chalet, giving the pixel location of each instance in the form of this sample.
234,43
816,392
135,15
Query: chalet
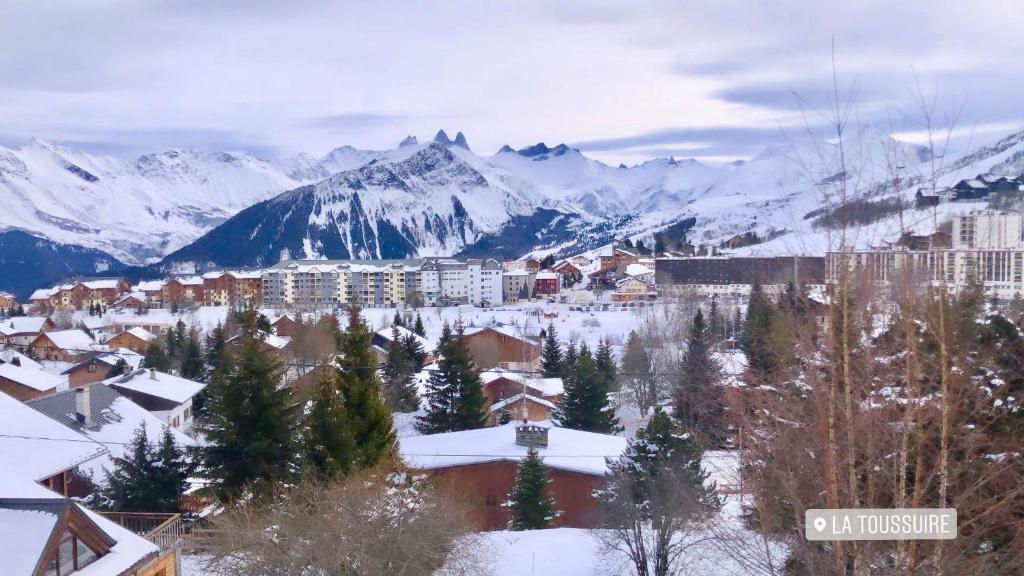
283,325
56,451
22,330
567,270
99,367
512,392
481,465
131,301
180,293
7,300
168,397
603,278
547,283
103,415
48,533
136,339
971,189
502,347
23,378
938,239
382,339
65,346
634,289
617,254
268,343
581,261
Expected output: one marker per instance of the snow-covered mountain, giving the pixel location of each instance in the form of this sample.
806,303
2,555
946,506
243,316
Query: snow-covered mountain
134,210
440,197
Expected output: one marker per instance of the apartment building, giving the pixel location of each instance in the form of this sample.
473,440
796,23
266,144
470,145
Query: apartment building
987,248
323,284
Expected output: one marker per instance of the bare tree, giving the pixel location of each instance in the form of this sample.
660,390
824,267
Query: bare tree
374,523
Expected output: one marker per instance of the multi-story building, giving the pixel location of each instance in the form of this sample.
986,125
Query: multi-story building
81,295
321,284
727,276
987,249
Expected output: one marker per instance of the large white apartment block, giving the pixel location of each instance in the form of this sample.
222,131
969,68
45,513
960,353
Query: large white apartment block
987,248
326,284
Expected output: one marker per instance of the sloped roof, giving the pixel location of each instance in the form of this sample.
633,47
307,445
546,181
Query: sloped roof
34,447
141,333
114,422
546,386
500,405
404,332
75,340
30,376
572,450
22,325
158,384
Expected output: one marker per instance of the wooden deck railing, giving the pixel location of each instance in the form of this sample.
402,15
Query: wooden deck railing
164,530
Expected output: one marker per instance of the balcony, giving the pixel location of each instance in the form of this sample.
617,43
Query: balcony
163,529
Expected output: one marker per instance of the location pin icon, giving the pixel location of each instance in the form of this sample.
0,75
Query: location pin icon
819,524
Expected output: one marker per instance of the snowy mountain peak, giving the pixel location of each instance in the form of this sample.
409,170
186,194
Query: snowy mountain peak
506,149
535,150
442,138
408,141
460,140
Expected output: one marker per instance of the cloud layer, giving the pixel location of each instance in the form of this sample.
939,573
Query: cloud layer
708,79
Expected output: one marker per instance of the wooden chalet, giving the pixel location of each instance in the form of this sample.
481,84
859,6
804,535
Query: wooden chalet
480,465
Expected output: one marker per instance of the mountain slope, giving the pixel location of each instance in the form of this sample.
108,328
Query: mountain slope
138,210
29,262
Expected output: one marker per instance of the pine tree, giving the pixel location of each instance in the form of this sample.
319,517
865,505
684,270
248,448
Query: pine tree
418,327
147,478
120,367
551,359
397,320
605,363
327,440
530,503
216,347
570,359
192,358
585,404
171,474
129,485
637,374
84,328
455,399
414,350
697,398
368,417
659,244
175,343
250,423
715,321
397,376
156,357
758,339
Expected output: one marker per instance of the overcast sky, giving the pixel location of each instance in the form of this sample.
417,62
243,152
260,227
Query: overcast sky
623,81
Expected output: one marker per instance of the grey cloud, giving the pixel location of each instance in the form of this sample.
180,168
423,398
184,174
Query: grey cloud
712,140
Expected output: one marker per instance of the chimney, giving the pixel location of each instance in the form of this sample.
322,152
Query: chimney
152,373
531,436
83,406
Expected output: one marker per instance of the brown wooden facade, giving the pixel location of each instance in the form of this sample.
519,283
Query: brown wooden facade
485,487
491,348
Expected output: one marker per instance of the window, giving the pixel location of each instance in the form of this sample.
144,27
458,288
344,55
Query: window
92,368
71,555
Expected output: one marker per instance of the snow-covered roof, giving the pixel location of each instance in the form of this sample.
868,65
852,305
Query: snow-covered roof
128,550
22,325
10,354
30,376
24,533
975,183
404,332
500,405
546,386
115,420
102,284
149,286
75,340
275,341
158,384
138,295
571,450
34,447
141,333
42,294
638,270
547,276
517,272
